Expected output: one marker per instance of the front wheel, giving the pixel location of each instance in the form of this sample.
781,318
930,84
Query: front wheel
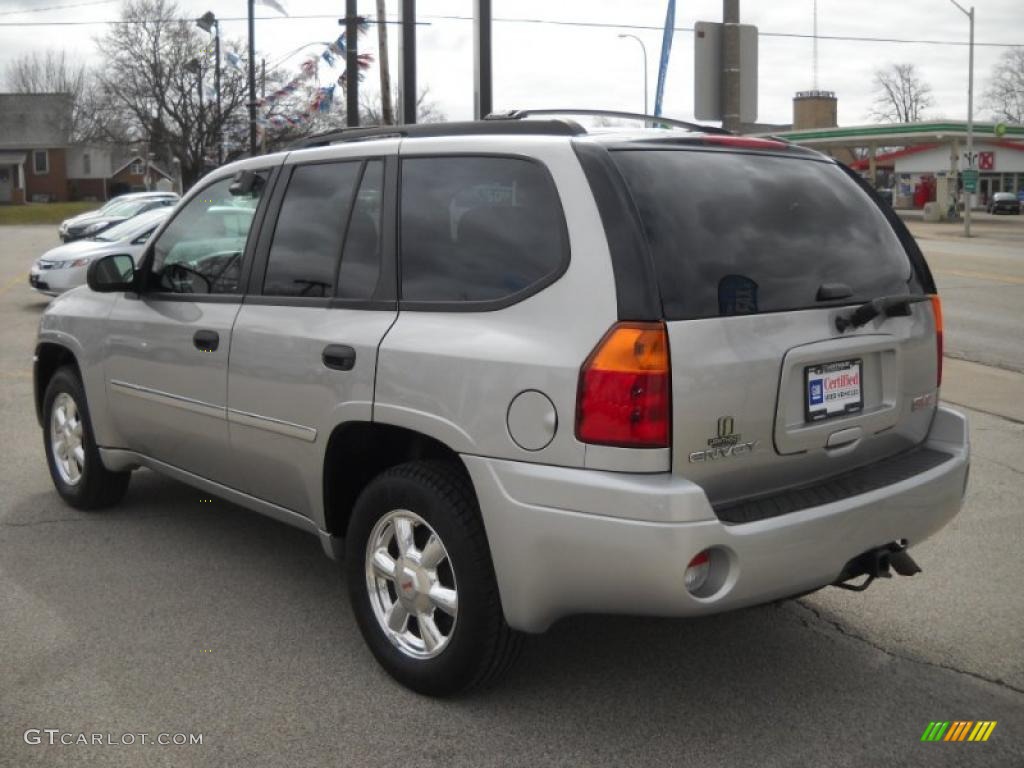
74,460
421,581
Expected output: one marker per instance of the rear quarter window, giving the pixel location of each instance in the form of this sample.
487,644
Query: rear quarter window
743,233
478,231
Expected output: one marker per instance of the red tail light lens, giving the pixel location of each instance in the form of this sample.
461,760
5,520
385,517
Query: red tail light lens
937,311
625,391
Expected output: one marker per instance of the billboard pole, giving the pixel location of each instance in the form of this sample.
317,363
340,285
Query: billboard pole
731,65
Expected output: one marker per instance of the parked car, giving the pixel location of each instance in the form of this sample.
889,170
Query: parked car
1004,202
513,371
64,267
77,226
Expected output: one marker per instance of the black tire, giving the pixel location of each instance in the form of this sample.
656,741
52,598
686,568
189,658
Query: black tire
97,487
481,646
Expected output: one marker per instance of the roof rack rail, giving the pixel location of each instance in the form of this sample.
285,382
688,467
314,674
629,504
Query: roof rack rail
519,114
464,128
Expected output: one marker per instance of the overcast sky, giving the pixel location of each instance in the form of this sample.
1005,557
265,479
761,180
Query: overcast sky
551,65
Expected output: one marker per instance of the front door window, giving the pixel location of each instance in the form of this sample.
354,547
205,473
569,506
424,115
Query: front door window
202,249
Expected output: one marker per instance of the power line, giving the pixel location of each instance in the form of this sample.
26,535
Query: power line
551,22
55,8
658,28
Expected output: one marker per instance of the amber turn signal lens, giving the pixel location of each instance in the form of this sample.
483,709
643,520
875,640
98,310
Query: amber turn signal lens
625,389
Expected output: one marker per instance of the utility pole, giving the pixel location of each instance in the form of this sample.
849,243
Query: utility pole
407,83
263,95
482,75
387,111
351,63
252,77
731,65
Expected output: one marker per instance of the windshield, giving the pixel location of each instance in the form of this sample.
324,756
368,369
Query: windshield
127,208
129,229
736,233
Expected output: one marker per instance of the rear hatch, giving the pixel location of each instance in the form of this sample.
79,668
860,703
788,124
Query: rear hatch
756,254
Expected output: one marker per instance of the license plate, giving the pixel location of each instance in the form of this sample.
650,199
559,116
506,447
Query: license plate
833,389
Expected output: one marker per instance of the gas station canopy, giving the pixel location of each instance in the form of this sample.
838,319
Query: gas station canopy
897,134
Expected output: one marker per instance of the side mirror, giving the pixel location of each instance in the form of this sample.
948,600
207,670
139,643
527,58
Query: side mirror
245,183
111,274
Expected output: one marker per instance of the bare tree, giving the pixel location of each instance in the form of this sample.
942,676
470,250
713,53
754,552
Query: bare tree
53,71
158,75
901,95
427,110
1004,96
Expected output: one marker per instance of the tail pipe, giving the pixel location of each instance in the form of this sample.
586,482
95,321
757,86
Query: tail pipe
877,563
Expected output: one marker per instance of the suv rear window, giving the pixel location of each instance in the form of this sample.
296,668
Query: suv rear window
741,233
478,229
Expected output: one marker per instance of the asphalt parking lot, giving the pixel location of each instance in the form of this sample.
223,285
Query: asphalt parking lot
175,613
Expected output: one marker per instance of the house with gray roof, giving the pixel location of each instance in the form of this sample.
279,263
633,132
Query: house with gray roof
35,134
39,162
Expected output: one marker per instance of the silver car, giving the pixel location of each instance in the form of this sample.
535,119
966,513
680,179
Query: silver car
92,222
64,267
510,371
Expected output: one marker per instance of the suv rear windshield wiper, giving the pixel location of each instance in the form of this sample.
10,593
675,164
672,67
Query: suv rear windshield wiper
869,310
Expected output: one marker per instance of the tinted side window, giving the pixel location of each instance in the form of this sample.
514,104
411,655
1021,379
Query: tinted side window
740,233
360,261
307,240
201,250
478,228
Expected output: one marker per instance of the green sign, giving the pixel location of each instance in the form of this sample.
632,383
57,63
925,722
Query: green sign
970,177
1000,129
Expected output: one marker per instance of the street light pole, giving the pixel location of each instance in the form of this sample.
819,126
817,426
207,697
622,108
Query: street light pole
970,116
252,78
209,23
216,87
644,49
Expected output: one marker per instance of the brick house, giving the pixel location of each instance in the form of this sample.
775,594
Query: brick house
34,140
38,162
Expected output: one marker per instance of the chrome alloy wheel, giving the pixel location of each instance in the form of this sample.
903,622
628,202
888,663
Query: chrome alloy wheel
66,445
411,583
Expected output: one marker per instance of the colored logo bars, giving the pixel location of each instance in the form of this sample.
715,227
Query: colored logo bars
959,730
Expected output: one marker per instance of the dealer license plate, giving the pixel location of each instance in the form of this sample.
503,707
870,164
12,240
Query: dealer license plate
833,389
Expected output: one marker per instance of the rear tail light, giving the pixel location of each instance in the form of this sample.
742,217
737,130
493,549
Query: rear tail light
625,392
697,572
937,311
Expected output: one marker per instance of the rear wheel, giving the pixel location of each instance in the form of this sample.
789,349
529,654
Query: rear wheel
74,460
421,581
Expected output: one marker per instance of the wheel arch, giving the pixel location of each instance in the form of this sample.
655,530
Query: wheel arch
359,451
49,357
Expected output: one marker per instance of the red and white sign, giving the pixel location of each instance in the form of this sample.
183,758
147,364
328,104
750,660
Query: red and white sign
987,161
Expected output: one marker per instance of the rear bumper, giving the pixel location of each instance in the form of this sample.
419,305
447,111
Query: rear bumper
567,541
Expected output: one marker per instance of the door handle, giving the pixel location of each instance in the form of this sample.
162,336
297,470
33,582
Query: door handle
340,357
206,341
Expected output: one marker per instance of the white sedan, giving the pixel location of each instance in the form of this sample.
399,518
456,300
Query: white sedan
63,268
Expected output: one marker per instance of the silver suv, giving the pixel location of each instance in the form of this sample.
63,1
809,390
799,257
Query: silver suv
510,371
